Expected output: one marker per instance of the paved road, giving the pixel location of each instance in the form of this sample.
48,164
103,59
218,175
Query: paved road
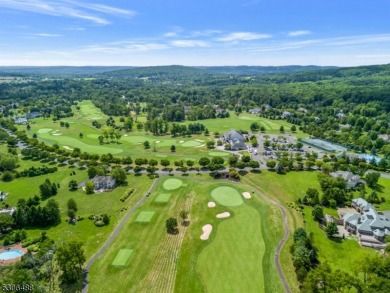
114,234
281,242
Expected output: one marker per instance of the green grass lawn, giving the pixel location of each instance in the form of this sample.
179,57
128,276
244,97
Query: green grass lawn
232,261
85,231
167,263
122,258
163,198
131,144
339,254
285,189
227,196
172,183
144,217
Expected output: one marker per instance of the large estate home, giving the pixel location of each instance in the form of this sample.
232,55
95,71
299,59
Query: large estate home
20,120
351,179
368,221
235,139
103,182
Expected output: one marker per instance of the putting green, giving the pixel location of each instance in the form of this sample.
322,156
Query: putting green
232,262
227,196
172,183
218,154
145,217
191,143
122,258
163,198
44,130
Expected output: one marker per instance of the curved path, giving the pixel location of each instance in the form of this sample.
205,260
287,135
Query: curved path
281,242
114,234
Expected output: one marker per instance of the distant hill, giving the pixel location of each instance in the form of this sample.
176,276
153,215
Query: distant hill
58,70
157,71
260,70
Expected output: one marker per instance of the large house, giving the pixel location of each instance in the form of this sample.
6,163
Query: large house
20,120
235,139
103,182
368,222
351,179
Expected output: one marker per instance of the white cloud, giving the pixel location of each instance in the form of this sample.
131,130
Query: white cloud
189,43
65,8
243,36
123,47
46,35
299,33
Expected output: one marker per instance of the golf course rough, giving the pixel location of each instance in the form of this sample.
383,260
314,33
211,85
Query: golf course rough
218,154
172,184
227,196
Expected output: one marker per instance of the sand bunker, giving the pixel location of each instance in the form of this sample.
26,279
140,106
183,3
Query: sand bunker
211,204
56,133
206,232
199,146
223,215
200,140
181,141
125,135
68,148
157,141
246,195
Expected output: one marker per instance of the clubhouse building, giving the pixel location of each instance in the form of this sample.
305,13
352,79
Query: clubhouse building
235,139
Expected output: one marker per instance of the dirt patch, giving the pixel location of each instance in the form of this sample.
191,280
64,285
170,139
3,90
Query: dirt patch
206,232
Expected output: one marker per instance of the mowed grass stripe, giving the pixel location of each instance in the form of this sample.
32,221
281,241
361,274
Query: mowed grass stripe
161,277
144,217
163,197
122,257
232,262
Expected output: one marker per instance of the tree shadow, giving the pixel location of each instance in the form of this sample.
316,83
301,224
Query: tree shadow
242,172
71,288
378,188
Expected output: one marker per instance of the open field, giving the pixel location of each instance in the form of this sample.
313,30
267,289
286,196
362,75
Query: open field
340,254
131,144
153,266
95,204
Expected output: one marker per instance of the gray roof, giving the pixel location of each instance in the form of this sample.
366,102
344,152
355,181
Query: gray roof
236,139
98,179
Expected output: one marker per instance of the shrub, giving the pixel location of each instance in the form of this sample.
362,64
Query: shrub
126,194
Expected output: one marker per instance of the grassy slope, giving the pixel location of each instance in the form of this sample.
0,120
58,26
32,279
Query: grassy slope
85,230
153,266
231,262
131,144
192,247
287,188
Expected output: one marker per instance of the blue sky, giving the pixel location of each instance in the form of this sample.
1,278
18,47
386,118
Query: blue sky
188,32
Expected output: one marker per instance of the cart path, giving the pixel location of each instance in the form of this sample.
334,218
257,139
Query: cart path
282,241
113,235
